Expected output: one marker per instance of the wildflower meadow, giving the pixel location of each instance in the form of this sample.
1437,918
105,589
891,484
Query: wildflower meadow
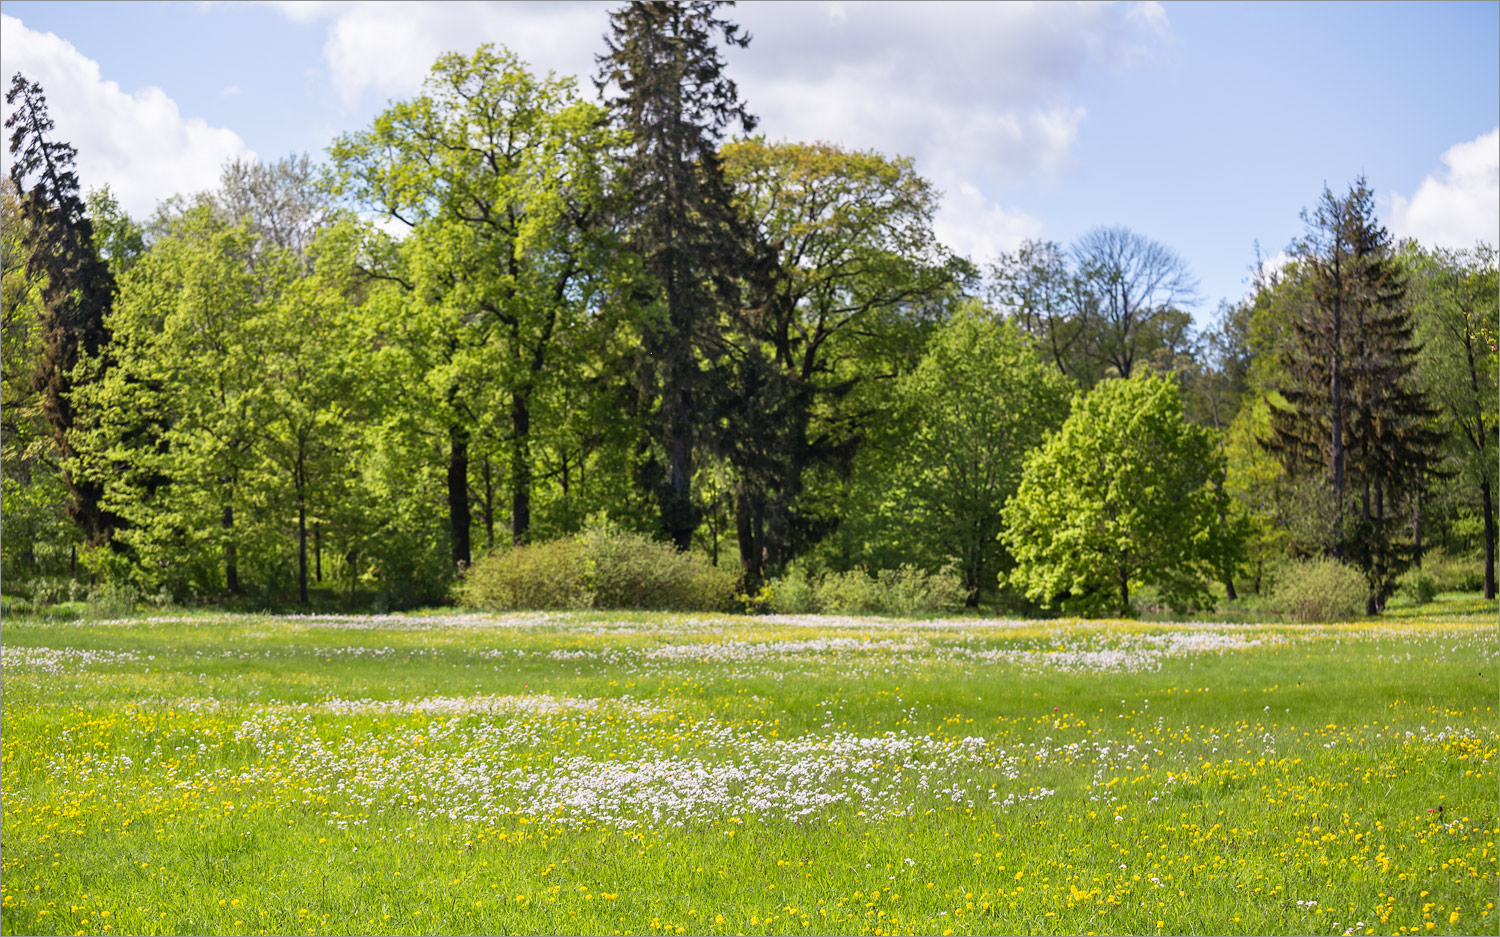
655,773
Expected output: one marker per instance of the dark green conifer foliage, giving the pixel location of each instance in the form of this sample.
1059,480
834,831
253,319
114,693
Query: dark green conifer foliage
76,287
1354,410
671,94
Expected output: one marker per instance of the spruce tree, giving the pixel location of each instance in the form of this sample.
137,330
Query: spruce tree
670,92
1353,408
76,289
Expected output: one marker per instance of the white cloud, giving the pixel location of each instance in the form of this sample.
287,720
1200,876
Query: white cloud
388,48
978,228
980,95
1460,204
139,143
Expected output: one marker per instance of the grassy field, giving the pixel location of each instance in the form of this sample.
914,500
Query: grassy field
680,774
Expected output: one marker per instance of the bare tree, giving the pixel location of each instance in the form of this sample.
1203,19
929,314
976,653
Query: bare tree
1135,284
281,201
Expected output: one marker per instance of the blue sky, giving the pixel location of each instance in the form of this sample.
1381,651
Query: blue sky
1205,126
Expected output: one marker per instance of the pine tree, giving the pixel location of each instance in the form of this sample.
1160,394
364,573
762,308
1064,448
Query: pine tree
1353,408
675,101
76,289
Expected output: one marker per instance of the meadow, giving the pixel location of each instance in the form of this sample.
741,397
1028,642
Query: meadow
666,774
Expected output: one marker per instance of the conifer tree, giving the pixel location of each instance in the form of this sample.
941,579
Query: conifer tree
1352,406
672,96
75,286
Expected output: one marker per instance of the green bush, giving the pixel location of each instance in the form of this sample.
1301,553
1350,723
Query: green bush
794,593
112,600
601,568
906,590
1319,590
848,593
1417,586
1454,573
546,575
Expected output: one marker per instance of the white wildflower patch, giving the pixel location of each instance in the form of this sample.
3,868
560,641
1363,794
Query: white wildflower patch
1128,653
57,660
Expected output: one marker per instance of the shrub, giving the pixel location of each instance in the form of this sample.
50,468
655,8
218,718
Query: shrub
848,593
1454,573
1418,586
1319,590
602,568
112,599
794,593
906,590
623,569
545,575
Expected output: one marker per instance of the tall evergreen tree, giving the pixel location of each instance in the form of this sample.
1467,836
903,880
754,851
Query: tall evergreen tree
75,287
1353,408
670,92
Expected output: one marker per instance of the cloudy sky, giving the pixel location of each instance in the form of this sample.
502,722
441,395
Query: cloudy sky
1205,126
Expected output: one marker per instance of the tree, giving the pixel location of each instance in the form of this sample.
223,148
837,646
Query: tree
282,202
120,240
1351,409
856,254
675,103
1043,296
500,175
39,538
74,288
976,405
1137,287
1454,302
1122,496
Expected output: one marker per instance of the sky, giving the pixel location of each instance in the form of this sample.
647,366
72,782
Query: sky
1206,126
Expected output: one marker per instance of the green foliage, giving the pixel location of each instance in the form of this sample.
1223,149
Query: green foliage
675,103
602,568
903,591
856,251
1321,589
112,600
546,575
1454,572
1418,585
1351,411
976,404
504,277
1122,495
1454,299
73,293
624,569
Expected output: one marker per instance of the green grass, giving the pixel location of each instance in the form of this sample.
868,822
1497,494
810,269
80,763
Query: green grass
707,774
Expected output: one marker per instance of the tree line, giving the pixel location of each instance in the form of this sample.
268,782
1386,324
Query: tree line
627,307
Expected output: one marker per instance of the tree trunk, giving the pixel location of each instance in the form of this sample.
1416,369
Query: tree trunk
745,527
1416,530
458,494
487,473
318,553
1124,593
1489,537
520,468
678,511
301,482
231,554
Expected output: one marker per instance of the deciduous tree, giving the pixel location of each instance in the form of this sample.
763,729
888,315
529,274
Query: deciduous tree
1122,496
